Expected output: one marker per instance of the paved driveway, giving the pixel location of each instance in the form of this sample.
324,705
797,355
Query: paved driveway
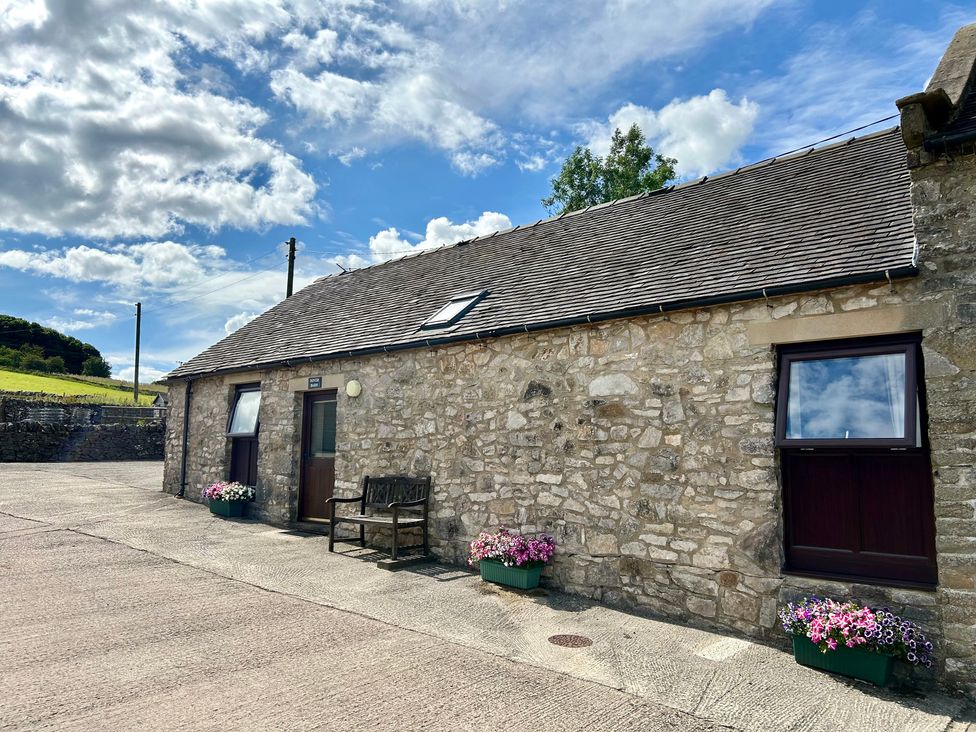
124,608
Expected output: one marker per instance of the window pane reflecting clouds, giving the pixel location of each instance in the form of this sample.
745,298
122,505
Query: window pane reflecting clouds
245,419
847,398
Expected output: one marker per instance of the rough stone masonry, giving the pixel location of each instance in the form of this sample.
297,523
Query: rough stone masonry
645,446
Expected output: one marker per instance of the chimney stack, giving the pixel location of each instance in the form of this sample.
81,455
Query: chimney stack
927,117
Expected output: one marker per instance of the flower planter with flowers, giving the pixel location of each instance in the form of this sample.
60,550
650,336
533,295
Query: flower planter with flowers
228,499
852,640
512,559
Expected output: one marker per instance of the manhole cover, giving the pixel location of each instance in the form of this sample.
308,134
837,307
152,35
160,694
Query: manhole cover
570,641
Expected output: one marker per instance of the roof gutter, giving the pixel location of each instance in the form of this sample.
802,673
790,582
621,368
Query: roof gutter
943,143
665,307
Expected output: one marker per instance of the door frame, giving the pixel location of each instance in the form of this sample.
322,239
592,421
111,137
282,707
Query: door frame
307,397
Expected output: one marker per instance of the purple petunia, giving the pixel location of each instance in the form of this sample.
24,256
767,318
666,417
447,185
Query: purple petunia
512,549
830,624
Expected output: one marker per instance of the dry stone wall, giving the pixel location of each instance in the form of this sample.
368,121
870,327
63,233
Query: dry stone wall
39,442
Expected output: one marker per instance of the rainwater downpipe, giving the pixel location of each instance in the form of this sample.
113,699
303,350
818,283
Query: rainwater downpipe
188,392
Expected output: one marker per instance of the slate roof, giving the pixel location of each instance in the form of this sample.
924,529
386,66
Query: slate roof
816,219
965,122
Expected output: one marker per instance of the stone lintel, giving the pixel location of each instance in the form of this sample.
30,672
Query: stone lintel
244,377
854,324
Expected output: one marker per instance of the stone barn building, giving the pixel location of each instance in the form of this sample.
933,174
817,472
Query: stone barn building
717,397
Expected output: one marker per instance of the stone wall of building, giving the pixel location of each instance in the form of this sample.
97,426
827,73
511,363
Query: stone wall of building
943,193
644,445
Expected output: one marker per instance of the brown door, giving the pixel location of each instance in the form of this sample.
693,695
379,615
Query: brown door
318,455
866,514
244,460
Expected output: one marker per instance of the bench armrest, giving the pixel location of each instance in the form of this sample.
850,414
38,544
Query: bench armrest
342,500
408,504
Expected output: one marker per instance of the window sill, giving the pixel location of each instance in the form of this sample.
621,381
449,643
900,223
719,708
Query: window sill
860,579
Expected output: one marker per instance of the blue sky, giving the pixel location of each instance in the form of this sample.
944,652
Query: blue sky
163,154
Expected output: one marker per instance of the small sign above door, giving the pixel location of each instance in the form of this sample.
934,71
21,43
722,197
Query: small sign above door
315,382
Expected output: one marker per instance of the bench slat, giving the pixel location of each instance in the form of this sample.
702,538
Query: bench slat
385,520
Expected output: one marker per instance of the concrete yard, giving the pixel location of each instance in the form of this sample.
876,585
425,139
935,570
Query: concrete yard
125,608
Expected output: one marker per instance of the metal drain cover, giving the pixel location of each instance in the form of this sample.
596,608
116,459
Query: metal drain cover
570,641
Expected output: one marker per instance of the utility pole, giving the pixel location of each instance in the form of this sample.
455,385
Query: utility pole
135,378
291,266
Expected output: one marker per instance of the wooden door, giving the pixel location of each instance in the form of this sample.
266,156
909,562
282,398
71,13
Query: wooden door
244,460
318,455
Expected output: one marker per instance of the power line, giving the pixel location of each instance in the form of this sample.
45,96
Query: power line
222,287
827,139
246,262
361,254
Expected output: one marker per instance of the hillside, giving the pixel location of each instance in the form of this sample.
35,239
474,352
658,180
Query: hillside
77,389
34,347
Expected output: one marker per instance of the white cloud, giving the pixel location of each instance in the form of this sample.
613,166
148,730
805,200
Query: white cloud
522,56
127,119
315,50
391,243
532,163
153,264
328,98
703,133
347,158
417,107
472,163
448,74
186,282
147,374
238,321
104,133
85,319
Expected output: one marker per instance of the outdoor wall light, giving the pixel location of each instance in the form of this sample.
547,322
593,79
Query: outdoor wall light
353,388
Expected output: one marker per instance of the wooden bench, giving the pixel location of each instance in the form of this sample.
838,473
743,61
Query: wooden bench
392,493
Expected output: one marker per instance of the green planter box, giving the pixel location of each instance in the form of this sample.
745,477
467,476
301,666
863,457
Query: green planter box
854,662
230,509
522,578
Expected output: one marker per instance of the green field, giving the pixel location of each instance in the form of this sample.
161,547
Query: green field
46,384
115,383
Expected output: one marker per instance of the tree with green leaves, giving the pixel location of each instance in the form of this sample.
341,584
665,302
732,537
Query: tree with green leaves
15,333
631,167
96,366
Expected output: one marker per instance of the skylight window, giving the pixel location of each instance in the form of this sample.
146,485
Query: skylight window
455,309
